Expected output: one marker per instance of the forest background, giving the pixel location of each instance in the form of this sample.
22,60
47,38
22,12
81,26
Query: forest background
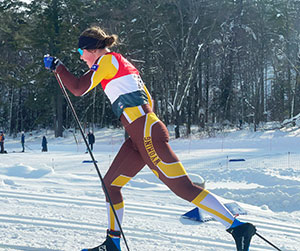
221,62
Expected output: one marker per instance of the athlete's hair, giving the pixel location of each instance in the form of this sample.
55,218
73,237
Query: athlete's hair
99,34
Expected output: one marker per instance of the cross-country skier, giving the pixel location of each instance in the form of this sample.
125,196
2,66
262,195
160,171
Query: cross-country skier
148,136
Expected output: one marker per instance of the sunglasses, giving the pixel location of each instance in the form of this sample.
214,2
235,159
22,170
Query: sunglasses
80,51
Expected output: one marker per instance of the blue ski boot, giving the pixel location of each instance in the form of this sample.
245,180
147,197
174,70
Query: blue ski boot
242,234
112,242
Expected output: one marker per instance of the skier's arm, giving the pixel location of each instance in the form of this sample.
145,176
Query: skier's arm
77,86
150,100
103,69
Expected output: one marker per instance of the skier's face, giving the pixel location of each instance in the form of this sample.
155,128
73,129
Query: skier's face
89,57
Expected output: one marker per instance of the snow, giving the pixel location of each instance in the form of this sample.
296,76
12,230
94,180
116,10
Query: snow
53,201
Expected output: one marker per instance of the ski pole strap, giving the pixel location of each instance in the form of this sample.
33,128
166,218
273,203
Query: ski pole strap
267,241
114,233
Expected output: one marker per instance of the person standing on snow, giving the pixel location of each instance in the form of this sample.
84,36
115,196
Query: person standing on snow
91,140
2,138
148,136
44,144
23,141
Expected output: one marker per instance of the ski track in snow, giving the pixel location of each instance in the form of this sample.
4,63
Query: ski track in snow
53,202
133,210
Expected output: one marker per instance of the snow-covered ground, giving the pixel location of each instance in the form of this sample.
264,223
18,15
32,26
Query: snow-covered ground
53,201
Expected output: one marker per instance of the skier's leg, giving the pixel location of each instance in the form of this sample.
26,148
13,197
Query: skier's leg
165,164
175,177
126,165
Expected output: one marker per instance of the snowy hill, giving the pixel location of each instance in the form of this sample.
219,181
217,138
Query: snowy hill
53,201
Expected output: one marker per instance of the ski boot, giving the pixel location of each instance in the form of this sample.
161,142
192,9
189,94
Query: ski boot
242,234
112,242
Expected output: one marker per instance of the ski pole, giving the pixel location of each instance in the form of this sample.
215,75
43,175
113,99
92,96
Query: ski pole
63,89
28,147
267,241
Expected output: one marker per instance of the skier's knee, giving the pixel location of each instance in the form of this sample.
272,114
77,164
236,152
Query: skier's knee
111,188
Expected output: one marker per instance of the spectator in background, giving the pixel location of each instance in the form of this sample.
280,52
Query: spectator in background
44,144
23,141
91,140
2,138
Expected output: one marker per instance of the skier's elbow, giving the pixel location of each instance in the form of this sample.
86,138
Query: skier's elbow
77,93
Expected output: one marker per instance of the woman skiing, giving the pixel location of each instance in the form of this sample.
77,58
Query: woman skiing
148,136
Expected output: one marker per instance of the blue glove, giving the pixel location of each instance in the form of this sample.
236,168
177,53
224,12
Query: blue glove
51,63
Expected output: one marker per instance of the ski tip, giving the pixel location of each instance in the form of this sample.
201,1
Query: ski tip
84,249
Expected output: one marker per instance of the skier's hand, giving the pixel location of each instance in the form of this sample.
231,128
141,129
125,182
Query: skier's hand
51,63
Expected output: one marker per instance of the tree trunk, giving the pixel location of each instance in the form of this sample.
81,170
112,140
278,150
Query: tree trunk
177,124
59,115
11,111
189,115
